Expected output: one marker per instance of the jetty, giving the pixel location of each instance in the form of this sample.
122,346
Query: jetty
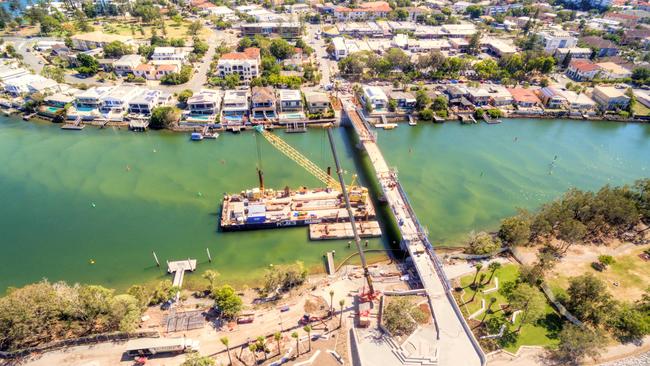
138,125
178,268
412,121
343,230
296,127
454,339
437,118
489,120
467,119
75,125
330,263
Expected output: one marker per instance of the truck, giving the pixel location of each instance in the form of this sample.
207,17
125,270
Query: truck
155,346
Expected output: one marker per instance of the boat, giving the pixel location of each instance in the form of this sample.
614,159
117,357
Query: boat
196,136
27,117
412,121
211,135
386,126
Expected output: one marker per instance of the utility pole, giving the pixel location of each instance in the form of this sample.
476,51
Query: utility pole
357,239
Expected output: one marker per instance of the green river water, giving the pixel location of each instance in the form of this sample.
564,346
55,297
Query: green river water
113,196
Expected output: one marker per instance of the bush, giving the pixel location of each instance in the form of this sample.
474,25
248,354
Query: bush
396,317
426,115
177,78
483,243
164,117
184,95
606,259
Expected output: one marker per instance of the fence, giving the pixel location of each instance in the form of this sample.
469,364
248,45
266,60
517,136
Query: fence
98,338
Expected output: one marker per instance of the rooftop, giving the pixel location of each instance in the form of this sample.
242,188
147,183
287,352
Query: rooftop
251,53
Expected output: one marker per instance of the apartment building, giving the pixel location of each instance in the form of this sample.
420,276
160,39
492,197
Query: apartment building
365,11
246,63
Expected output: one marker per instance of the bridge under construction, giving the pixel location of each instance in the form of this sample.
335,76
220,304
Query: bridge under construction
455,341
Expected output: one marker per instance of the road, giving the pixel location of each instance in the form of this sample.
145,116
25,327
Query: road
327,67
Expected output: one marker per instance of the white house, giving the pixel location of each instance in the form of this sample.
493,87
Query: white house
235,107
144,102
205,102
290,100
246,64
117,99
28,84
554,38
171,53
376,97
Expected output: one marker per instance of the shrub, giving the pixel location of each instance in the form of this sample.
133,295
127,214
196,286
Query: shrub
483,243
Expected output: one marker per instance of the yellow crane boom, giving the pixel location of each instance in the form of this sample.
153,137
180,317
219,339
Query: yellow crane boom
298,158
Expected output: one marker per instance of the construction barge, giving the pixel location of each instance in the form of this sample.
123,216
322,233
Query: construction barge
265,209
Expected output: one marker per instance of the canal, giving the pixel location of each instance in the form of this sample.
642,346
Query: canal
67,198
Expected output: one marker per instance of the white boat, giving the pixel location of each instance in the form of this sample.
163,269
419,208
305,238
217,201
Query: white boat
196,136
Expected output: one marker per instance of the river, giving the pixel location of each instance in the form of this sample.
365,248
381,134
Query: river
114,196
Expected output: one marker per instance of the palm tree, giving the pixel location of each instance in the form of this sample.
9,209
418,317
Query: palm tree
478,267
295,335
307,328
331,302
278,336
226,342
494,266
341,303
492,301
211,276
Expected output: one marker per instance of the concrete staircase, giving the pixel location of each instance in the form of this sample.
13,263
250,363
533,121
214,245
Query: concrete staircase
406,358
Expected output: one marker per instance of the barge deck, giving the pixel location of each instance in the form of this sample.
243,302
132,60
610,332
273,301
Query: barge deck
265,209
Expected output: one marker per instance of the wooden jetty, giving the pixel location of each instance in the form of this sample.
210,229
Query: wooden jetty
138,125
330,263
343,230
467,119
437,118
178,268
27,117
489,120
76,125
296,127
412,121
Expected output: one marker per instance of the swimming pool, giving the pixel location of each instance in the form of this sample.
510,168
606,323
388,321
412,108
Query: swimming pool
233,118
52,109
85,109
201,117
292,116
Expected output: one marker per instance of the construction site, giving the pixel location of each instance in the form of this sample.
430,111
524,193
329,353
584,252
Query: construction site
327,210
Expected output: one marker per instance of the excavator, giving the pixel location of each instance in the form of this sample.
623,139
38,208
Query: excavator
351,193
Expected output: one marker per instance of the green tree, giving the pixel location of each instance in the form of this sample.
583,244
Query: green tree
227,301
211,276
422,99
54,72
530,301
396,317
164,117
493,267
184,95
588,299
194,28
515,230
576,343
474,11
341,304
125,313
439,104
426,115
281,49
474,45
629,323
117,49
231,81
483,243
278,337
88,65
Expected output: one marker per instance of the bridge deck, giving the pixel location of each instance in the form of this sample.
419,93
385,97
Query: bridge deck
456,344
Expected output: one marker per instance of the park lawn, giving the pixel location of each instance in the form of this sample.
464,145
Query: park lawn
641,110
629,272
173,29
543,333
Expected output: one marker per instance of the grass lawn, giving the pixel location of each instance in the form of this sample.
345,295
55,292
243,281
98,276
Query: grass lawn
133,28
627,278
542,333
641,110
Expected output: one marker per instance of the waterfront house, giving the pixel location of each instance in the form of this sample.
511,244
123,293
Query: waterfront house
127,64
479,96
29,84
58,100
8,72
499,95
578,102
582,70
290,100
610,98
91,98
457,91
317,102
144,102
171,53
551,97
263,103
246,64
92,40
234,110
374,97
205,102
404,100
116,101
524,98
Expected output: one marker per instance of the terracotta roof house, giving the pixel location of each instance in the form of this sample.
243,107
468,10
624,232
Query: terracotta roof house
263,102
246,63
603,47
525,98
582,70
